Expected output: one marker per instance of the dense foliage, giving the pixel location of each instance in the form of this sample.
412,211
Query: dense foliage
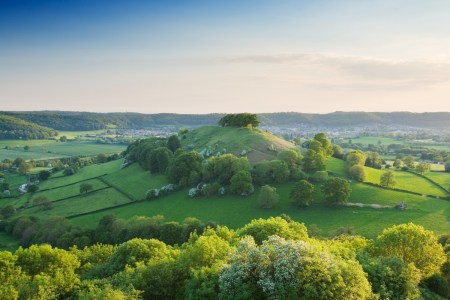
14,128
266,259
239,120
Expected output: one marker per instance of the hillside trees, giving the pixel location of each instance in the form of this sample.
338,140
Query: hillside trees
173,143
185,169
275,171
357,172
223,168
241,183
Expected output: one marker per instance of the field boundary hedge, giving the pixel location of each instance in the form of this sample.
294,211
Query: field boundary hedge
104,209
131,198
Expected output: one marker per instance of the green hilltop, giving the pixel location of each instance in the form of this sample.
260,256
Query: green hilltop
256,144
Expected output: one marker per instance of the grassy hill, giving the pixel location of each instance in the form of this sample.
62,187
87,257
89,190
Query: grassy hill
258,143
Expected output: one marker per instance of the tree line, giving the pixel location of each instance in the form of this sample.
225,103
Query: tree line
275,258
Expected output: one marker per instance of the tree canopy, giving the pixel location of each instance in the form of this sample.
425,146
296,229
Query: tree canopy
239,120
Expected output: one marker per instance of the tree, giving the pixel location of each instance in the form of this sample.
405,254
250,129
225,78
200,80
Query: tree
423,167
357,172
326,146
159,160
268,196
302,194
447,167
355,157
32,188
173,143
337,152
398,163
313,161
222,168
43,202
387,179
286,269
44,175
373,160
102,158
8,211
412,244
86,187
185,168
409,162
241,183
26,148
24,168
336,190
292,157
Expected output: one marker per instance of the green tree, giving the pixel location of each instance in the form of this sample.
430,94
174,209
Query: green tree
262,229
86,187
292,157
326,146
43,202
302,194
355,157
32,188
281,269
336,190
398,163
185,168
268,196
357,172
102,158
173,143
313,161
337,152
412,244
239,120
423,167
241,183
8,211
387,179
159,160
44,175
223,168
24,168
409,161
447,167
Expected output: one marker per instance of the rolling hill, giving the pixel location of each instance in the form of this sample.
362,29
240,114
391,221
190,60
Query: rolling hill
258,144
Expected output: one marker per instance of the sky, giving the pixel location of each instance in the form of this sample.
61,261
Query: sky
202,56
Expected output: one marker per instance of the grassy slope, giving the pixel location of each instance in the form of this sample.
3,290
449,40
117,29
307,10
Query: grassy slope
440,177
234,140
405,180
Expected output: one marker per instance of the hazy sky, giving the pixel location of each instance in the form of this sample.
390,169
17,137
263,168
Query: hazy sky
225,56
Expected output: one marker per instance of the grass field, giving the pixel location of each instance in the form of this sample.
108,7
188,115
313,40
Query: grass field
236,211
46,149
440,177
135,181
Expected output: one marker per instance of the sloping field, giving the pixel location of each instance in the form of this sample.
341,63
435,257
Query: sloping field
259,144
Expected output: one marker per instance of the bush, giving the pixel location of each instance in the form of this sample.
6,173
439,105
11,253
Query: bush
357,172
268,196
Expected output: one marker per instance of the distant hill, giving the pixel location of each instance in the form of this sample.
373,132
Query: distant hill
258,144
92,121
14,128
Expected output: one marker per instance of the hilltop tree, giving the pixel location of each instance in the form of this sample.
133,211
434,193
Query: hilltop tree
302,194
268,196
239,120
336,190
387,179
